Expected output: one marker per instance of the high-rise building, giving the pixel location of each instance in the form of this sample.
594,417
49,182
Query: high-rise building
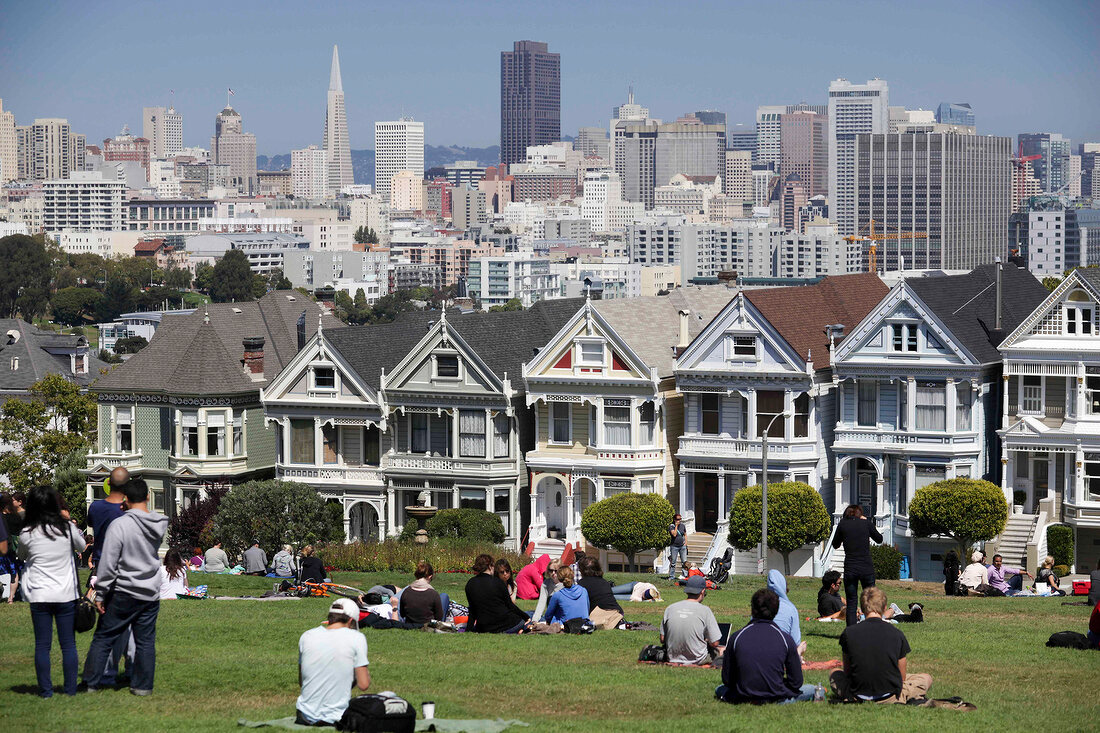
792,200
1090,170
398,146
9,146
163,128
125,147
741,140
630,110
769,133
853,109
710,117
463,173
309,172
690,149
235,148
955,113
84,202
603,192
45,150
635,145
1052,168
591,141
530,99
406,191
955,188
335,139
804,150
737,183
469,207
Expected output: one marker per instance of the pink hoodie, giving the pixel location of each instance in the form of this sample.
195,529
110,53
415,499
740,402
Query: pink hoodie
529,579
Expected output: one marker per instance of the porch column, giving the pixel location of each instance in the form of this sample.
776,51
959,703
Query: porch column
347,521
880,503
570,522
284,425
911,403
535,519
1078,477
454,432
1008,467
1004,400
391,511
788,410
723,510
201,429
318,441
488,434
811,417
752,414
910,486
1079,393
682,508
952,398
838,497
1052,473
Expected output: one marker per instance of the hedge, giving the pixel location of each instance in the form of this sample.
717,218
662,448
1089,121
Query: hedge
476,525
887,562
445,555
1060,544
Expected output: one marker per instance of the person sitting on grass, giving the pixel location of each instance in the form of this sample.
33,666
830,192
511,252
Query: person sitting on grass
996,577
1094,587
874,654
283,564
491,610
529,578
1046,581
974,576
197,561
1094,627
787,618
216,559
568,603
689,631
331,660
551,584
419,601
312,569
761,663
173,575
503,570
255,560
603,604
829,603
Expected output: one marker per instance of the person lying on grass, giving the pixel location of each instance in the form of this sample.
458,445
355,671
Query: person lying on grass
331,659
762,663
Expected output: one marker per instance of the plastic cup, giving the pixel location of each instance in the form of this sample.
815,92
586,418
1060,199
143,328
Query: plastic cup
429,710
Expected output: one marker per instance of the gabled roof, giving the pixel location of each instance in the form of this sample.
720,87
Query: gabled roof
35,362
200,353
503,340
800,314
967,305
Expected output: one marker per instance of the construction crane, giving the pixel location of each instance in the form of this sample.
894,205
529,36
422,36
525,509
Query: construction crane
875,237
1021,163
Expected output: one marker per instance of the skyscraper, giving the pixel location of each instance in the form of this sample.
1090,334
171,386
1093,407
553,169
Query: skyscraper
335,139
530,99
690,149
9,146
853,109
47,150
309,173
1052,169
955,113
803,150
163,128
768,134
237,149
398,146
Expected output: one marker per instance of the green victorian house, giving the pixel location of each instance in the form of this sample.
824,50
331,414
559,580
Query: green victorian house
185,412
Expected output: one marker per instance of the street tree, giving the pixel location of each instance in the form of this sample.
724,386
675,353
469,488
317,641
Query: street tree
966,510
232,279
39,431
628,522
796,517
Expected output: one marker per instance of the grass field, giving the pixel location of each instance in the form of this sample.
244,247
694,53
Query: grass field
218,661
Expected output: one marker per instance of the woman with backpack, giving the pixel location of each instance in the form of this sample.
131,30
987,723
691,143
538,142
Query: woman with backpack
49,544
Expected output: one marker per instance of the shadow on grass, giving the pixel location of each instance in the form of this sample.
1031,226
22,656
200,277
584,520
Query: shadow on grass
24,689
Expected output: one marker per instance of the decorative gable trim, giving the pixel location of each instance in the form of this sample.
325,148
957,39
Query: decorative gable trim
442,336
1050,310
316,348
740,317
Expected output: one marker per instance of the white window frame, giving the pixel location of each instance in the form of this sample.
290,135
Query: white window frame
908,335
185,417
732,345
129,411
859,402
582,361
238,434
554,406
629,427
650,440
446,377
217,432
313,378
1074,322
1092,394
1037,404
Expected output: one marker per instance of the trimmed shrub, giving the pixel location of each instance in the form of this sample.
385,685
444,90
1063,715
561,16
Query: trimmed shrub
966,510
1060,570
796,517
274,513
475,525
1060,544
445,555
629,523
887,562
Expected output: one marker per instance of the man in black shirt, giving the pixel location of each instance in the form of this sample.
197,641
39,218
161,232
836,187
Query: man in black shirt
875,654
829,604
491,608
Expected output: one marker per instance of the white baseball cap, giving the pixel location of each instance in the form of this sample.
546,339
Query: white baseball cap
345,607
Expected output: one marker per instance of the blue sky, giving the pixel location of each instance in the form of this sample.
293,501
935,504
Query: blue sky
1024,66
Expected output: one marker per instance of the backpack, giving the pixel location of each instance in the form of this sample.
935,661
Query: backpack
578,626
654,653
1069,640
378,714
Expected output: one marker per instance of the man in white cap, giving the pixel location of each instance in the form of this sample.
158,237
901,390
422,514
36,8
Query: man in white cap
689,631
331,659
974,575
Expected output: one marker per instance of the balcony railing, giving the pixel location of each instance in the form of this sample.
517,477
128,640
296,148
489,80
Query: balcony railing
448,465
728,447
893,437
337,474
114,460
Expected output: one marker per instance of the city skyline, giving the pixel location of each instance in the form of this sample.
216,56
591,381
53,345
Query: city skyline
449,76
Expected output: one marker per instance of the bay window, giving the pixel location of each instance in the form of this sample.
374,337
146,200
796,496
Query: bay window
328,445
1092,392
124,429
802,415
867,403
418,422
964,398
301,441
351,445
616,426
190,433
439,435
903,406
500,508
215,433
373,445
710,411
238,434
931,406
769,404
647,424
501,436
471,433
559,422
1092,477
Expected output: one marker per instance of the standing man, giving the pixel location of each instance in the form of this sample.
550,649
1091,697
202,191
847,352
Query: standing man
678,548
995,576
128,590
689,631
101,513
255,560
331,660
875,668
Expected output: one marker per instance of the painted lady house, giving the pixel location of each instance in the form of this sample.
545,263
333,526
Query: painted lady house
918,382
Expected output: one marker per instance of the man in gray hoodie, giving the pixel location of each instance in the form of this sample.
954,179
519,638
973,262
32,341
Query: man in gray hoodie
128,589
255,560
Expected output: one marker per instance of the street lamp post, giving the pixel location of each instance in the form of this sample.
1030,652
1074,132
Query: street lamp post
764,507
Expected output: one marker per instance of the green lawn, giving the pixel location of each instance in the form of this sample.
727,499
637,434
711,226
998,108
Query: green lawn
222,660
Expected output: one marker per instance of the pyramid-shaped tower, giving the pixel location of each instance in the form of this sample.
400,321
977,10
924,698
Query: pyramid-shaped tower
335,139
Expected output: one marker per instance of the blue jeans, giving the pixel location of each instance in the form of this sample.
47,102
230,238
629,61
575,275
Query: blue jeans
446,601
125,611
1094,639
673,553
43,616
805,694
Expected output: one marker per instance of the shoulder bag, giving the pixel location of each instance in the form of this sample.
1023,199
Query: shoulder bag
86,612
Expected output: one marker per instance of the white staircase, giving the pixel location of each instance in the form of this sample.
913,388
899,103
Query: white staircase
553,548
1012,544
837,561
698,544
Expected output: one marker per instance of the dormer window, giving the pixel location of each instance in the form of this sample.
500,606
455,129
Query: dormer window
324,378
590,353
1079,313
446,366
740,348
904,337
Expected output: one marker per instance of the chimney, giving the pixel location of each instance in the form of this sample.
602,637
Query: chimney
253,360
327,297
685,316
1000,268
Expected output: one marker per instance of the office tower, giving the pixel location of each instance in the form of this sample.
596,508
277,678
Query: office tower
407,191
46,149
635,145
853,109
163,128
1052,169
955,113
737,183
741,140
530,99
398,146
309,173
603,192
1073,177
124,147
84,202
78,152
469,207
768,134
691,149
792,200
9,146
955,188
804,151
630,110
335,139
463,173
237,149
710,117
1090,170
591,141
